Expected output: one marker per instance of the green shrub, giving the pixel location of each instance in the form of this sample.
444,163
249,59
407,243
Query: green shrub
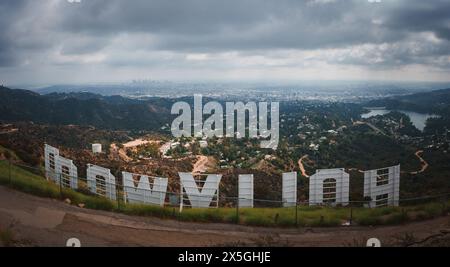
7,238
368,221
257,220
397,218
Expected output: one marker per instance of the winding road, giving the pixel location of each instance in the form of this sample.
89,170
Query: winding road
302,167
422,161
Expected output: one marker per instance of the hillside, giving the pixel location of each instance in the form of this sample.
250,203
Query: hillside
108,112
437,101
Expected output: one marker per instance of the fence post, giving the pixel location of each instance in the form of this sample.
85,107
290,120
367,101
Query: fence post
444,205
351,214
296,213
60,186
9,170
218,195
181,196
237,210
118,196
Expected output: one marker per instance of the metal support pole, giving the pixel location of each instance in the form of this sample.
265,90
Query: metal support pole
181,198
443,204
60,186
351,214
9,170
118,197
117,186
237,210
218,195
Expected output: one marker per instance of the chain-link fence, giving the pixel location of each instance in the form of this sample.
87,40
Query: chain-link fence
151,191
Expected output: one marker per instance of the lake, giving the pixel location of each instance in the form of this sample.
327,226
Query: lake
418,119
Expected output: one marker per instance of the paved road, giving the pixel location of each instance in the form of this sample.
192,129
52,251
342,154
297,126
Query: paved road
44,222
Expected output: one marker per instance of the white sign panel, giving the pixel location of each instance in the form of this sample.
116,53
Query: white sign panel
329,186
51,154
101,181
382,186
145,191
289,193
245,190
68,172
200,197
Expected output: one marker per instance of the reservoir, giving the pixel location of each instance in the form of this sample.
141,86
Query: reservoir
418,119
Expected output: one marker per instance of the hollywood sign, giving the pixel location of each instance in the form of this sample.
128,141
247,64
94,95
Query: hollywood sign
326,186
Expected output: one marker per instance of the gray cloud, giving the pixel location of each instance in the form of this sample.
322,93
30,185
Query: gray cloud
420,16
285,33
231,25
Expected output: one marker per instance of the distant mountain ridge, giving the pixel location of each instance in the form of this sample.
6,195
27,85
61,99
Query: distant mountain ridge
109,112
437,101
117,112
114,99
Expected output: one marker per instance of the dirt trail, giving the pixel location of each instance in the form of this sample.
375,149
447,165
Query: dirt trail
422,161
44,222
9,131
202,164
119,152
302,167
373,127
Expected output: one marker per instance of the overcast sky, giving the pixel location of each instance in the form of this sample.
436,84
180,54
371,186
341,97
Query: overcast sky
56,41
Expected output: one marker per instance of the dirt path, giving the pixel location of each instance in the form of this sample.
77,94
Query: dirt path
115,152
302,167
422,161
202,164
9,131
44,222
373,127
